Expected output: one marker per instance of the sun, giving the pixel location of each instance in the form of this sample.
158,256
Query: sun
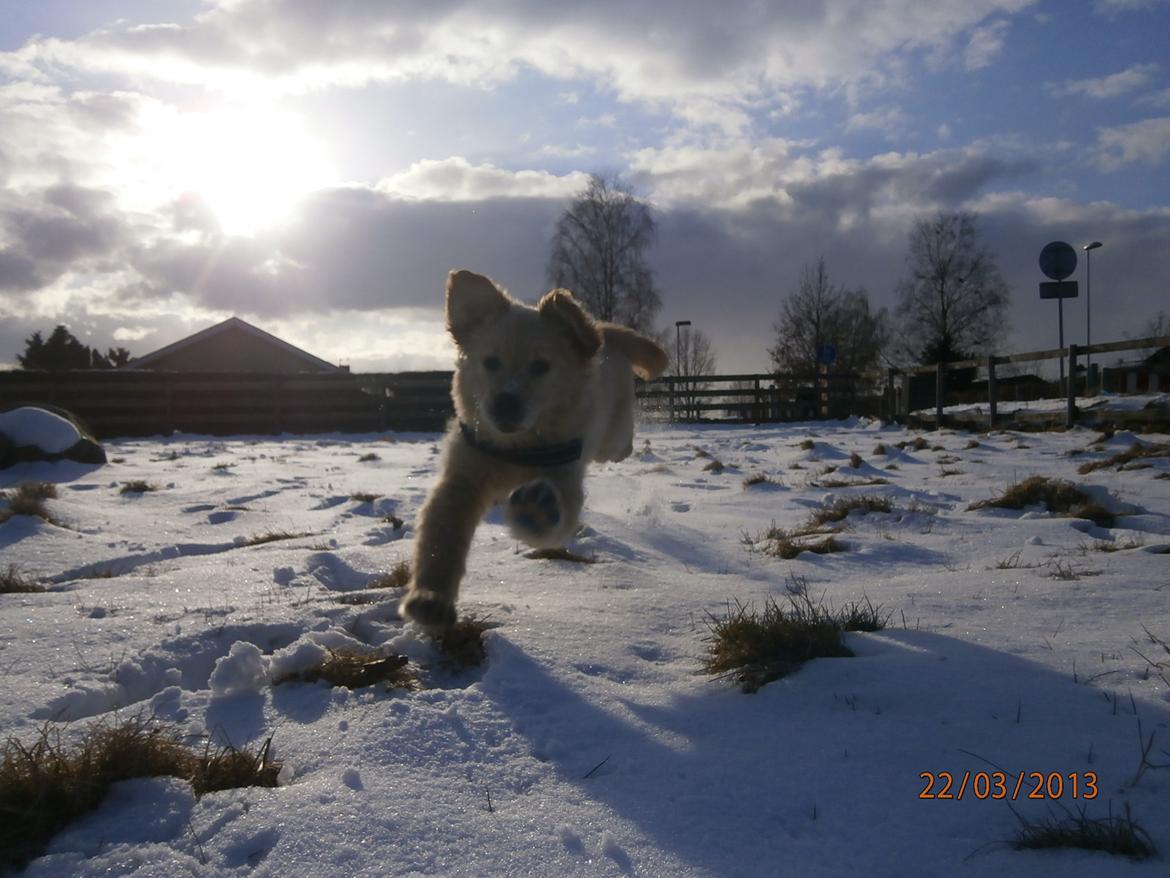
250,165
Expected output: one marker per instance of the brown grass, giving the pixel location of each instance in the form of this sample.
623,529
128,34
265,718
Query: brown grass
29,499
758,479
1059,497
1111,835
363,497
46,784
852,483
397,577
138,486
275,535
754,648
786,545
462,643
13,581
356,669
713,466
1122,458
840,508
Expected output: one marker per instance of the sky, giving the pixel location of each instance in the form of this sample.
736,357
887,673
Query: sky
317,168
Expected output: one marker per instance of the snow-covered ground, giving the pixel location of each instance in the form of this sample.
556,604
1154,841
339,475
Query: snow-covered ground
1101,404
588,744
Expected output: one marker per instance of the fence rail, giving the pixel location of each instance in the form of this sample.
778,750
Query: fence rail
145,402
901,391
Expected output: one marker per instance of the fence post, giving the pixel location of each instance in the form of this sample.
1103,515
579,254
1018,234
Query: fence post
992,401
670,391
940,386
758,401
1072,386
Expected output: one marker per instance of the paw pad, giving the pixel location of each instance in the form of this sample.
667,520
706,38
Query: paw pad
534,509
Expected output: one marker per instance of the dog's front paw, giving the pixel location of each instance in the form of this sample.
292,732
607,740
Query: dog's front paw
534,511
429,609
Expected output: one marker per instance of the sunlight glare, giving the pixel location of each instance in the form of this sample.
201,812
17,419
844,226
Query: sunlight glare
251,166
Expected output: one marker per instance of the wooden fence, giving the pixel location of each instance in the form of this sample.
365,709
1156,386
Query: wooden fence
760,398
143,403
898,382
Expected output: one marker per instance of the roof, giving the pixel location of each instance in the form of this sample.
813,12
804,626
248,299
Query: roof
232,323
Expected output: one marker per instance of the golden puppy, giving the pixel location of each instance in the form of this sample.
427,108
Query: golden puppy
539,392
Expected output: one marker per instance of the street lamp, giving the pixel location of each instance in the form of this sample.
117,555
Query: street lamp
678,366
678,325
1089,248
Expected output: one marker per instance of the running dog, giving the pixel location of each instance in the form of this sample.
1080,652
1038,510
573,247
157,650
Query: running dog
538,392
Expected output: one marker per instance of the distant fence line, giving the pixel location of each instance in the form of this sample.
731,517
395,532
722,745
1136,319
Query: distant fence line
145,402
900,390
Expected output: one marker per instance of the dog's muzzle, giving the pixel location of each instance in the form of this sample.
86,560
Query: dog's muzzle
507,412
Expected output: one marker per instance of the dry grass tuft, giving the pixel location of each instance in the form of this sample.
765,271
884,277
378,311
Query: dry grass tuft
1059,497
559,553
46,784
363,497
1120,460
855,460
275,535
807,445
13,581
356,669
758,479
971,443
840,508
852,483
229,768
29,499
462,643
918,443
138,486
713,466
1119,835
368,458
786,545
755,648
1108,546
397,577
880,450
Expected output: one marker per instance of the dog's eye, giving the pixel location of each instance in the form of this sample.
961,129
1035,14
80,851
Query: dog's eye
492,364
537,367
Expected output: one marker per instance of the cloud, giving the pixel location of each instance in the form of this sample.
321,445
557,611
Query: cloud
709,64
890,121
1142,143
1116,7
48,232
1111,86
985,44
456,179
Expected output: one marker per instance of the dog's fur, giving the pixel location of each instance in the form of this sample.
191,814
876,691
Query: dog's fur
526,379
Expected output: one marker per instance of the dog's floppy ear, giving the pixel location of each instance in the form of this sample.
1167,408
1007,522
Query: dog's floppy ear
472,300
560,308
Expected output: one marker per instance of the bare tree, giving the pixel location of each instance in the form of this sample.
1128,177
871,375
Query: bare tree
693,357
820,314
953,303
598,251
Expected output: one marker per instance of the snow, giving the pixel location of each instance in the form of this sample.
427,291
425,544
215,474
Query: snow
39,428
1102,403
588,743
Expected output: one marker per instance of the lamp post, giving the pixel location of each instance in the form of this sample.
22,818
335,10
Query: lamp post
1089,248
678,365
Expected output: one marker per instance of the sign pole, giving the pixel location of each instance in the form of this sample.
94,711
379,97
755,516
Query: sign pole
1060,322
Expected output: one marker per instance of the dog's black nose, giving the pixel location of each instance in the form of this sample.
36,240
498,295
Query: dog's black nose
507,411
